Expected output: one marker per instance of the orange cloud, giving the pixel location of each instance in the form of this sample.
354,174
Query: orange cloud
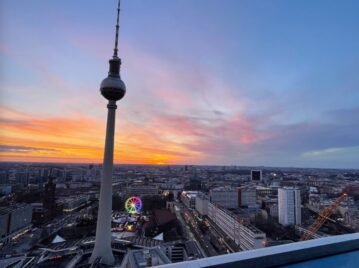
26,137
177,115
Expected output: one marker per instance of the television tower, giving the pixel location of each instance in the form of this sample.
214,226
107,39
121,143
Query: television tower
113,89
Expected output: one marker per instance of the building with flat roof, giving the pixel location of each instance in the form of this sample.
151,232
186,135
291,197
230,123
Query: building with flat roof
145,258
289,206
72,203
266,191
245,236
225,196
247,196
142,190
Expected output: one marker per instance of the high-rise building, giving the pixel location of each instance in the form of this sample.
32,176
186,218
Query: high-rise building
256,175
289,206
113,89
49,201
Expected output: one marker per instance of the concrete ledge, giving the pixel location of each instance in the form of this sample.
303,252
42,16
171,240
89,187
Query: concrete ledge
279,255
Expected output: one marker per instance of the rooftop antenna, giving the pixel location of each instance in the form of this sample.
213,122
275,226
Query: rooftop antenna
115,50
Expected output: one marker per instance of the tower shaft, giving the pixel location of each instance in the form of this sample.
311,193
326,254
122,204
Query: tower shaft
103,230
113,89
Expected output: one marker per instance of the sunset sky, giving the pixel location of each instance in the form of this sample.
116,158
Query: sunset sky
234,82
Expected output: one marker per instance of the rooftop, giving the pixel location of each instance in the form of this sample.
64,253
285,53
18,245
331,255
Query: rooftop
146,257
328,252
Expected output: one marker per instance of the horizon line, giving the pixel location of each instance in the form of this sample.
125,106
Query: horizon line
209,165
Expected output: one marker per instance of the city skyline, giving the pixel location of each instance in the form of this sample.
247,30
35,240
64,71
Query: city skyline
245,83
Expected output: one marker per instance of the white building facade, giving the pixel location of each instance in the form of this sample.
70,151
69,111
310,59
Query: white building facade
245,236
289,206
202,204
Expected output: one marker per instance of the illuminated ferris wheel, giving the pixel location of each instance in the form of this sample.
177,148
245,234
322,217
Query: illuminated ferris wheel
133,205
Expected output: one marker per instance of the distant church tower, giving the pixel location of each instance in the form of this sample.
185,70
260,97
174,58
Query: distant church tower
113,89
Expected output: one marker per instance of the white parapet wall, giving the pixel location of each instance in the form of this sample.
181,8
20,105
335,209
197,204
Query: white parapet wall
315,250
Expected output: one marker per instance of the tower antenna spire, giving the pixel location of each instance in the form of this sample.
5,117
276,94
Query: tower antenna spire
115,50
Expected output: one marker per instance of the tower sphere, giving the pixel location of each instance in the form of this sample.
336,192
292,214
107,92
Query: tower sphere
112,87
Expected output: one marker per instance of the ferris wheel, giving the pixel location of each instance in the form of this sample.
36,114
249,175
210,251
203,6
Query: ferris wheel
133,205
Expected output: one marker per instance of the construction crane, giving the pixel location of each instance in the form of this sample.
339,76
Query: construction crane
323,216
